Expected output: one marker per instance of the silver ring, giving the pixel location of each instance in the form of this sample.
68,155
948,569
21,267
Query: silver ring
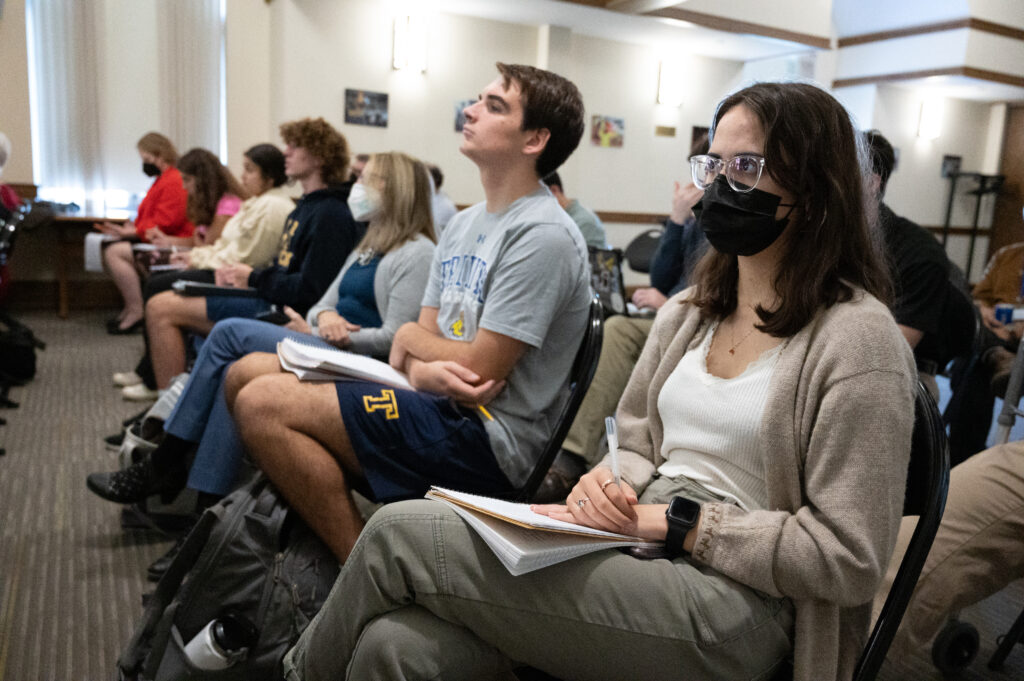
582,502
607,482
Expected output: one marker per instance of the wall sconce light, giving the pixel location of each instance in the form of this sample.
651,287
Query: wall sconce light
929,124
410,43
670,82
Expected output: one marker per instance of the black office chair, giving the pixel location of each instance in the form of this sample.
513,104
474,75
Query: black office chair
582,373
927,485
640,251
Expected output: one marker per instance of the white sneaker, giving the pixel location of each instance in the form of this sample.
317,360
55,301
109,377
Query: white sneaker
126,378
139,393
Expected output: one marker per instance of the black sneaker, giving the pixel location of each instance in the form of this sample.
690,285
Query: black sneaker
158,567
135,517
113,442
135,483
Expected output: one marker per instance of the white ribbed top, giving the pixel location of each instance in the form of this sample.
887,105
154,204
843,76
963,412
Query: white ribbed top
712,425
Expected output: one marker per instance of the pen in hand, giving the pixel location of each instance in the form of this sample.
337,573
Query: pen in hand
613,447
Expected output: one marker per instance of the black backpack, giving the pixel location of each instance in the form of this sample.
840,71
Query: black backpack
249,558
18,347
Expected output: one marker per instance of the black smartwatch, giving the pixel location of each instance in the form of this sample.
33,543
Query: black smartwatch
682,515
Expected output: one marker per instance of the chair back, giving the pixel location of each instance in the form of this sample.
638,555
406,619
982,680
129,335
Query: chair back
640,251
927,485
582,373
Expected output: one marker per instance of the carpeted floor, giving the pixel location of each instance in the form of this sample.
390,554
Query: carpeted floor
71,579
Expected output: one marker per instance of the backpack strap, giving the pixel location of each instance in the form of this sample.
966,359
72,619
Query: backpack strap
138,647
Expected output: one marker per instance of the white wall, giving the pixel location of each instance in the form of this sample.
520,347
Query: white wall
248,37
859,101
999,11
320,49
856,17
916,190
621,80
800,16
15,121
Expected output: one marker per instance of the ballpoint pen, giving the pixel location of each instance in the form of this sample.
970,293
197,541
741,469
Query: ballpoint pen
613,446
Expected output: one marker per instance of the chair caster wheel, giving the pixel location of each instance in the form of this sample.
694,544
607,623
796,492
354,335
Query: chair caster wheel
955,647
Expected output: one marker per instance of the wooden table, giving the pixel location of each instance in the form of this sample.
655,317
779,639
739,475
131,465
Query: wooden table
71,231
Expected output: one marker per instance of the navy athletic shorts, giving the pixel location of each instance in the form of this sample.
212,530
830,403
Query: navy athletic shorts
407,441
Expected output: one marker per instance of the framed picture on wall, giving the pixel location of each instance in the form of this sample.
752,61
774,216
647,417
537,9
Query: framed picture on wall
460,118
950,165
606,131
363,107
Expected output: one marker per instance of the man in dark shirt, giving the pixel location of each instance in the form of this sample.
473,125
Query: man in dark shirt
925,305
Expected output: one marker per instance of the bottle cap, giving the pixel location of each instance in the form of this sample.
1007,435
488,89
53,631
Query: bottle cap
232,632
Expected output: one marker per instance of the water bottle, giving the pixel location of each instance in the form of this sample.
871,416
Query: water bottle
221,643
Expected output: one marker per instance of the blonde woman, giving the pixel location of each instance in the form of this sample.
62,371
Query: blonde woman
377,290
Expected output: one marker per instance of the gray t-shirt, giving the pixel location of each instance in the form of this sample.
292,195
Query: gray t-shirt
522,273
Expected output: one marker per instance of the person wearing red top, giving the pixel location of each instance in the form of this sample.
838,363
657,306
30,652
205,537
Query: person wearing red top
164,207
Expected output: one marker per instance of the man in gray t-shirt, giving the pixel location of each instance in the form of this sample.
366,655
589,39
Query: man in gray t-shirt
521,273
502,317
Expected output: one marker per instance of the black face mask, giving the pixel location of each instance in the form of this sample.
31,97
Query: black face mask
739,224
150,169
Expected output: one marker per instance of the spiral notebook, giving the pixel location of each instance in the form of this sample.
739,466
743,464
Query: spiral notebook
316,363
525,541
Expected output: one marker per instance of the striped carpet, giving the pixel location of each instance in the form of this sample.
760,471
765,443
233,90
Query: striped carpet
71,579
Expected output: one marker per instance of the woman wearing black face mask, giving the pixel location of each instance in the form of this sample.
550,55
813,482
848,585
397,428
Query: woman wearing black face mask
164,207
750,441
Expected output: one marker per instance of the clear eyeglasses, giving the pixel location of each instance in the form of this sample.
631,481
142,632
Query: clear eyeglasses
741,171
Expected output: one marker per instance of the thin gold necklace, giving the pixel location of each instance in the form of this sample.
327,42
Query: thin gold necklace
732,350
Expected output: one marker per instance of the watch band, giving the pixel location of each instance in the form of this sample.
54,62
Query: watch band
682,515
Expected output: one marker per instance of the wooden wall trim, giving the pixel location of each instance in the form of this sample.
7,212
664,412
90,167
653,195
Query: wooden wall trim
973,24
735,26
968,71
998,29
632,218
994,76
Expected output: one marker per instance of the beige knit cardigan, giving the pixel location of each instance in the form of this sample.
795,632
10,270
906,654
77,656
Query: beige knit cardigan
837,423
